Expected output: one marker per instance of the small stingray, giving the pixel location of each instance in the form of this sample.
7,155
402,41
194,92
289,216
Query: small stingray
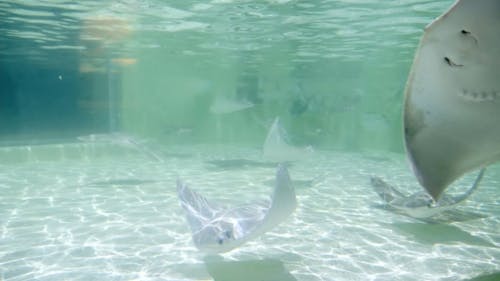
216,229
420,204
277,149
223,105
452,96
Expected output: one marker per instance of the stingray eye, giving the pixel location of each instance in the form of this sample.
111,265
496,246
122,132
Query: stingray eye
452,63
220,241
228,233
469,34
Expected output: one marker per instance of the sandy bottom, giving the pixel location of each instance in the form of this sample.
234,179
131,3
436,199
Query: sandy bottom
117,217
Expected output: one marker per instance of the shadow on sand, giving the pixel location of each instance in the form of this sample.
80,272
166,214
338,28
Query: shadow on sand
247,270
439,234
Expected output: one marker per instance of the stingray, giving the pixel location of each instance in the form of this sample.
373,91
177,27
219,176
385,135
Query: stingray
222,105
420,204
452,96
278,149
217,229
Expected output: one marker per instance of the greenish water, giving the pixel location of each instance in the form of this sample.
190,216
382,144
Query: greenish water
334,71
193,87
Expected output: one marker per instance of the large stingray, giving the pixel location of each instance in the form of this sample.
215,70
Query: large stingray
452,97
420,204
216,229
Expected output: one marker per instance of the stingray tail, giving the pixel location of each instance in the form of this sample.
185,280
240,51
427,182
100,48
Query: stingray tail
474,186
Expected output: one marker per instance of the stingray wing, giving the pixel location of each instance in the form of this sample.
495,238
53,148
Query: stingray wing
452,97
199,211
283,201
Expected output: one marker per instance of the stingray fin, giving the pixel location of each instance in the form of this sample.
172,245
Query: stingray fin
283,200
197,208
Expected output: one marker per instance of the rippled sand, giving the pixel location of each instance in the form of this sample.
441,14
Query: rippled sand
117,217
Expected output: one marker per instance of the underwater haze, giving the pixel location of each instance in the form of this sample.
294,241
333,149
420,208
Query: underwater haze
105,104
334,71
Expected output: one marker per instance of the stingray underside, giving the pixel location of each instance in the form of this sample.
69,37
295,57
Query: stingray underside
452,97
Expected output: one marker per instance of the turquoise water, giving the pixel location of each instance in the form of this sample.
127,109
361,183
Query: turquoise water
193,87
90,212
334,71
